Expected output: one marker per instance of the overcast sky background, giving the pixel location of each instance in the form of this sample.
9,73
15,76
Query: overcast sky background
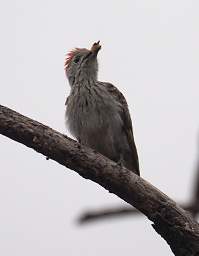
150,50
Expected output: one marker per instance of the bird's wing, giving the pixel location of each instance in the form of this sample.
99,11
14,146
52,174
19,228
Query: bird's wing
125,115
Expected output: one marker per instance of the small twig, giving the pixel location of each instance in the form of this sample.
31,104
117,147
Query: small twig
107,213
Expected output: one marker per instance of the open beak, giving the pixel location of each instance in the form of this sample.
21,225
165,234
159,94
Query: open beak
95,48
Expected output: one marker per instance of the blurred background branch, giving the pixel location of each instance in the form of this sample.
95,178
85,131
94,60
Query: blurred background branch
193,206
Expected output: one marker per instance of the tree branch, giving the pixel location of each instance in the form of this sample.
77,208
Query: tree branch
192,207
174,224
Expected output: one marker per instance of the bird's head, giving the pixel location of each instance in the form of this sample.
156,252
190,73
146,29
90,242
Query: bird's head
81,64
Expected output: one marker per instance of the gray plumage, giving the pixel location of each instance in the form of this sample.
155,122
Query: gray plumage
96,112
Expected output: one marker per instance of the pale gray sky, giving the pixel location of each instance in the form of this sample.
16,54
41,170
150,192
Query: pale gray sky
150,51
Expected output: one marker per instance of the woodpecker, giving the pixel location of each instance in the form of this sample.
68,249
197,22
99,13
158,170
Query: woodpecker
97,113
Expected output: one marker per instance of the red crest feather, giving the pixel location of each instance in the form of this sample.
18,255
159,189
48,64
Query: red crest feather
69,57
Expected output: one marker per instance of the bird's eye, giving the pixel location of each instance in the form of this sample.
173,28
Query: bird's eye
77,59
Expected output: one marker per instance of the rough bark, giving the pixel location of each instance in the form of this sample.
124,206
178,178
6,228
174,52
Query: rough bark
192,206
173,223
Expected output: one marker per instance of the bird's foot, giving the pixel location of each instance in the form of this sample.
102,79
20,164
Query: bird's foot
120,163
79,143
65,136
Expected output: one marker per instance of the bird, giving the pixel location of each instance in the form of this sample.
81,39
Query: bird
97,113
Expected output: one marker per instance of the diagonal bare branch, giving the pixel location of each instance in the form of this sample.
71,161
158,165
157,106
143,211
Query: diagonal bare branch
174,224
93,215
